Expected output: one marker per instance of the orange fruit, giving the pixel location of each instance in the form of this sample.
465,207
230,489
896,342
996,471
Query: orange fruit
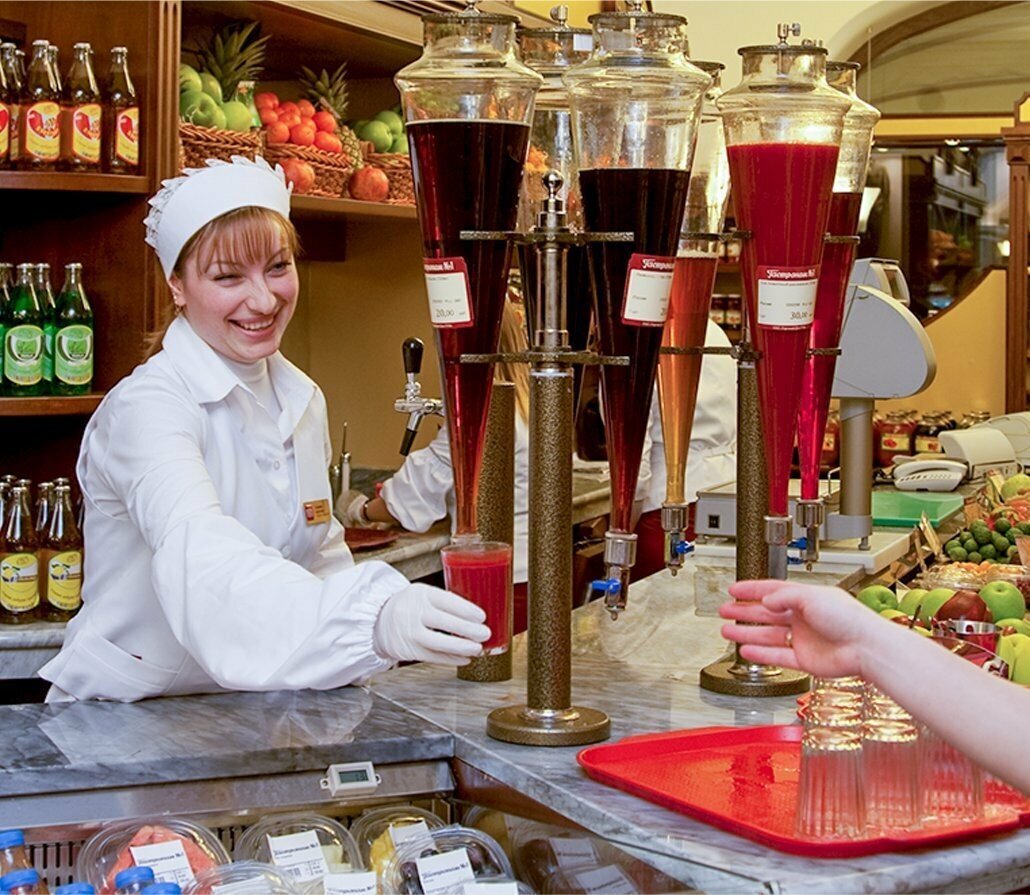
277,133
266,101
268,115
325,121
305,107
288,108
302,134
328,142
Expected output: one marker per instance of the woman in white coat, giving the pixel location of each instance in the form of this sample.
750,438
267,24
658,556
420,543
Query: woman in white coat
213,560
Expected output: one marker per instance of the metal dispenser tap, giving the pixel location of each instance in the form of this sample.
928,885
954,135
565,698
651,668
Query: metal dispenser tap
413,404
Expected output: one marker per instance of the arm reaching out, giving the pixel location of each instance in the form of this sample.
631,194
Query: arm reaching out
832,635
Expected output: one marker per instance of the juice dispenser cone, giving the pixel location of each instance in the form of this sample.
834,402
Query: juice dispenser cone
783,126
838,258
697,261
468,102
636,103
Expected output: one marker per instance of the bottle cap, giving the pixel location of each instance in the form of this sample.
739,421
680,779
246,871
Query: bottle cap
17,878
75,889
11,838
132,875
163,889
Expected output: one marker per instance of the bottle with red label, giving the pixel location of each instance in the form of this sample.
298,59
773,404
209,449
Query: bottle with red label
81,114
6,101
12,75
121,117
41,113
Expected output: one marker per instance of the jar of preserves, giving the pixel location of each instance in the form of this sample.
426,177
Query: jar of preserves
927,432
893,436
830,457
717,311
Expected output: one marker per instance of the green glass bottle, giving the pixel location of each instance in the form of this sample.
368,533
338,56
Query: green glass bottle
6,285
23,341
73,341
45,294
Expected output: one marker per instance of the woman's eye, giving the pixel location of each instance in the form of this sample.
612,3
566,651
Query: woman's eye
282,265
225,277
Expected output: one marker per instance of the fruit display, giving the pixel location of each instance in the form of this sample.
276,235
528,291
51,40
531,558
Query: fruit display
992,541
385,131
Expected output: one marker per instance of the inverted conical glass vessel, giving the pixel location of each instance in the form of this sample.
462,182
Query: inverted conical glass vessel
636,103
838,257
468,102
697,261
783,127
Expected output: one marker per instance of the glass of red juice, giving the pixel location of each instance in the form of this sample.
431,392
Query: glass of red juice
480,572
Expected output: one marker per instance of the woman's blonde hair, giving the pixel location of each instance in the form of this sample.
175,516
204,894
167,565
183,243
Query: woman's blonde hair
513,340
249,235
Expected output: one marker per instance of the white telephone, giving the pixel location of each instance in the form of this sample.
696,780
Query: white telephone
938,474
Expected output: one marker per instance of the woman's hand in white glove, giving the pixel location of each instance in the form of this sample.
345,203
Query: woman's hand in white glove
350,508
426,624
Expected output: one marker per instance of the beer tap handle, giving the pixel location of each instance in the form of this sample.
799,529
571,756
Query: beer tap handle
410,431
412,351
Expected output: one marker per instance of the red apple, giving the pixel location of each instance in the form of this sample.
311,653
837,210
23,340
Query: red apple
967,605
370,184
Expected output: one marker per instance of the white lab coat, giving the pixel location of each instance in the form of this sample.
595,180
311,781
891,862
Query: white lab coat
712,458
422,491
201,573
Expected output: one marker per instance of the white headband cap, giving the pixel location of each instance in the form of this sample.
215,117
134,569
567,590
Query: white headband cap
185,204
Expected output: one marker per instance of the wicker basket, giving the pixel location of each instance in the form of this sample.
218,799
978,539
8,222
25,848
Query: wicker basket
397,168
332,170
198,144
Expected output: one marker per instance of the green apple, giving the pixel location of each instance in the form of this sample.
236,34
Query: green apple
1019,666
919,629
932,602
1004,599
1021,625
198,108
910,602
1015,485
189,79
237,116
893,613
211,86
878,597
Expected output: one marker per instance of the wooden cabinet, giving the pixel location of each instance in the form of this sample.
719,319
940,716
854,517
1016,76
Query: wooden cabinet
1017,320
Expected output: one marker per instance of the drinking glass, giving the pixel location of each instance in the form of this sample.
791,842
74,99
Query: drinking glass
890,772
830,797
953,784
480,571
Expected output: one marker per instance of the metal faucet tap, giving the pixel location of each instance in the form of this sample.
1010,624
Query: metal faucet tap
413,404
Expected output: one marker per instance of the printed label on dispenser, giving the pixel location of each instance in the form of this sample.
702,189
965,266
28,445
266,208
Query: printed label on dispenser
648,286
786,296
450,299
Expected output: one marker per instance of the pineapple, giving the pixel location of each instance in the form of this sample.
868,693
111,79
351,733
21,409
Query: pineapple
329,92
234,55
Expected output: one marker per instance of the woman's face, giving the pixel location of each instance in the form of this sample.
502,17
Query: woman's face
239,307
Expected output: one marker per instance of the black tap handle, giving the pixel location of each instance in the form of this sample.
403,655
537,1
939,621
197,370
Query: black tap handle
407,441
412,350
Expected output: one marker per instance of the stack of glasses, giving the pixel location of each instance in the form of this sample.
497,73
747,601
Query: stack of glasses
868,768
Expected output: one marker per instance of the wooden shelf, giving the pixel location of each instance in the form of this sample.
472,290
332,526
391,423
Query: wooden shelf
314,207
66,181
728,266
52,405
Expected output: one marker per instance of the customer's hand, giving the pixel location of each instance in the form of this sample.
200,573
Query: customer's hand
816,629
426,624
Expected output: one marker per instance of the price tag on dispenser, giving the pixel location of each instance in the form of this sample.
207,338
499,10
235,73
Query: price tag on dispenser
648,287
786,296
450,299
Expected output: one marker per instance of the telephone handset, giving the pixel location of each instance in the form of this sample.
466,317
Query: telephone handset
937,474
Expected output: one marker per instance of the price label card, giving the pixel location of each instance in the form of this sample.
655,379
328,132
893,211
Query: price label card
403,832
167,859
786,296
610,880
582,43
450,298
648,287
441,873
570,852
298,855
361,883
500,888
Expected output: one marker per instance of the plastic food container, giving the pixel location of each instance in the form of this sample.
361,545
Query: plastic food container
520,887
248,877
110,850
541,851
377,831
583,880
493,823
953,576
337,846
404,872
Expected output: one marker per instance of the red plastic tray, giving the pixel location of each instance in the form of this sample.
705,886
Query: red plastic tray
745,780
368,538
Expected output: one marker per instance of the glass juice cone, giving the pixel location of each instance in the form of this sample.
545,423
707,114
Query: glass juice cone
838,259
635,109
467,102
783,125
693,279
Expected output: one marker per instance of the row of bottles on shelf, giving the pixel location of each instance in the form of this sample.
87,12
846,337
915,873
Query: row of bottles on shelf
47,342
726,310
40,552
47,124
904,432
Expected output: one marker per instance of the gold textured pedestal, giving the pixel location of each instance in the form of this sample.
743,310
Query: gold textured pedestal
542,727
736,677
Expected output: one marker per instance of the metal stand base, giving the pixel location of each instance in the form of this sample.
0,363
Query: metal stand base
752,680
524,726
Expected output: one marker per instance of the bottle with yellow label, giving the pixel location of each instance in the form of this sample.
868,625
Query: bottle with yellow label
40,113
61,560
121,117
19,563
80,114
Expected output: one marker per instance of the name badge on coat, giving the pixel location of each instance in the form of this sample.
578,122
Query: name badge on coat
316,512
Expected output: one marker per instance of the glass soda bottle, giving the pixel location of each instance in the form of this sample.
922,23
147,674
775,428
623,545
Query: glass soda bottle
24,340
6,285
41,114
121,117
73,341
12,74
81,114
19,563
53,54
45,294
43,502
61,559
8,99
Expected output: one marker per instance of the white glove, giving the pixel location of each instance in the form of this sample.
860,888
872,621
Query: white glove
426,624
350,508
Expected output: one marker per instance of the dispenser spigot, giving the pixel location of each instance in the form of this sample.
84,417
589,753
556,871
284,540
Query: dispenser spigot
674,524
620,553
560,15
413,404
777,536
787,29
810,515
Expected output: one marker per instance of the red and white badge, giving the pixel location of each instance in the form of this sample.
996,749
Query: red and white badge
786,296
450,299
648,286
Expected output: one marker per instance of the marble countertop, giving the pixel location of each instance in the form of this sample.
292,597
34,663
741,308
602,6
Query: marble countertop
642,670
